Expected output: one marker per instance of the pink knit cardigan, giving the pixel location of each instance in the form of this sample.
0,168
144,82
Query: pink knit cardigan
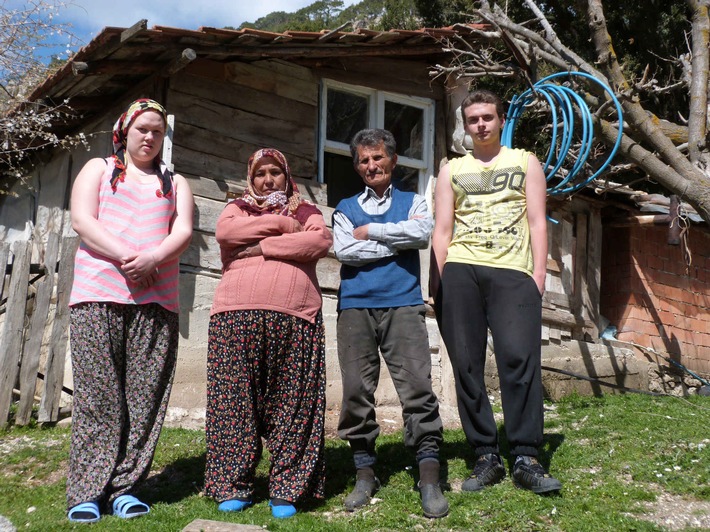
284,278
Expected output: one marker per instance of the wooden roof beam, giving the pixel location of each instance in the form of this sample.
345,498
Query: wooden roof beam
187,56
134,30
284,52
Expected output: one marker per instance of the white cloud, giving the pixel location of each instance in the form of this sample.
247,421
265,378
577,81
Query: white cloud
88,17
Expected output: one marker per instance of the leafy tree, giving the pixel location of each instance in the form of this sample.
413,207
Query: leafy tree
400,14
440,13
270,22
330,14
322,14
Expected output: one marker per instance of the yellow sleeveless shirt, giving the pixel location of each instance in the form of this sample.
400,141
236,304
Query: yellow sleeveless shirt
490,221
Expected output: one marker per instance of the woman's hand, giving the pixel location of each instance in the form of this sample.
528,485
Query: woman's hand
141,269
246,251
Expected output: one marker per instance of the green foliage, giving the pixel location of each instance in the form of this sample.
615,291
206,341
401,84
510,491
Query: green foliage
322,14
330,14
439,13
400,14
615,454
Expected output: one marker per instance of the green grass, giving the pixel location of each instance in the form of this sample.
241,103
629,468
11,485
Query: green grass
614,454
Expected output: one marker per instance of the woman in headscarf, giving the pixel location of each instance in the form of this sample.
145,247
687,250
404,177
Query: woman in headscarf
134,218
266,353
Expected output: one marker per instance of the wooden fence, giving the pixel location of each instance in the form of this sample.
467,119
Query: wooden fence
27,294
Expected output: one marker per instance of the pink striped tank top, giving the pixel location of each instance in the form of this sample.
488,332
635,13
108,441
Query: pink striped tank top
140,218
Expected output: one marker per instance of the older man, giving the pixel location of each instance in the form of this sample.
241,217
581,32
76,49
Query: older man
377,237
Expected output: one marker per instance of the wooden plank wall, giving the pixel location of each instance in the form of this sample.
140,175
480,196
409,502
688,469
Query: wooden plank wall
571,300
25,324
223,114
226,112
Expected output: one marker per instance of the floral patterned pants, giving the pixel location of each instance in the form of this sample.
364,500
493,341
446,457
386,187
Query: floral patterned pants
265,378
123,362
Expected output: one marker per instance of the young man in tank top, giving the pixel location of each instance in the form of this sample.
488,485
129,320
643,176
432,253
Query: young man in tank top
489,260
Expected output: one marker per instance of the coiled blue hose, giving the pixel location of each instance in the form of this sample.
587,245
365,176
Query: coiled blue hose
562,100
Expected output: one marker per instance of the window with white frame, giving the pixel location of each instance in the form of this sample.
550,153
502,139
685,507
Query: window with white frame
346,109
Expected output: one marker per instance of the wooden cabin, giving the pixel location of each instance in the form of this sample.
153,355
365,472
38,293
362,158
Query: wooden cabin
305,93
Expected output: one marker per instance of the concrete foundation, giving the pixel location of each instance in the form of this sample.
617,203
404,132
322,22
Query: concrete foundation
606,362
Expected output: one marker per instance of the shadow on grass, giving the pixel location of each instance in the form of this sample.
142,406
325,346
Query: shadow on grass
184,477
179,480
457,447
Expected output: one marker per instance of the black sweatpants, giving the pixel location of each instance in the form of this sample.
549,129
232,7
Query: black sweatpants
474,299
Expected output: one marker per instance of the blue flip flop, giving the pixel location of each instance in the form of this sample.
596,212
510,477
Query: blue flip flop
127,506
86,512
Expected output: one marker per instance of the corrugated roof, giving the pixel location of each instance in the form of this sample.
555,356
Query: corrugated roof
121,58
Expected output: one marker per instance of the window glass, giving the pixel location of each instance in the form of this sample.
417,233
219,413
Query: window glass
347,114
342,179
406,124
405,178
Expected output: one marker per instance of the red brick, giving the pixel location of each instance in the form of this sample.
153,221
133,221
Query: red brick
665,316
688,297
679,335
681,321
703,364
637,312
652,328
654,262
638,285
664,305
666,278
658,344
636,299
661,292
690,351
630,325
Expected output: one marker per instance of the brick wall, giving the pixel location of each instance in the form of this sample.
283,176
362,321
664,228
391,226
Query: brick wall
650,295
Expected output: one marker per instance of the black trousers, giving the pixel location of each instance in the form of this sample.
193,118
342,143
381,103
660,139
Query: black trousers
401,336
474,299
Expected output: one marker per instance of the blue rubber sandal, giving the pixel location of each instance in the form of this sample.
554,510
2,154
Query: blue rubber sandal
127,506
282,511
233,505
86,512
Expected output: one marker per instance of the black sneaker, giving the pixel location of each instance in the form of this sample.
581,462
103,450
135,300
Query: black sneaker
530,475
487,471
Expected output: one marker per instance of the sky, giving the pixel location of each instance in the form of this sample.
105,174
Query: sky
88,17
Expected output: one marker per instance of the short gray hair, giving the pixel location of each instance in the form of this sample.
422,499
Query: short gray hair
371,138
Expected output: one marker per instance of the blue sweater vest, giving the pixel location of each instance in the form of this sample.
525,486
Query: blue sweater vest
390,281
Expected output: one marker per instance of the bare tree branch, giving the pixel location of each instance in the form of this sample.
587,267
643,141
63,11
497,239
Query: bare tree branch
671,154
697,118
29,34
